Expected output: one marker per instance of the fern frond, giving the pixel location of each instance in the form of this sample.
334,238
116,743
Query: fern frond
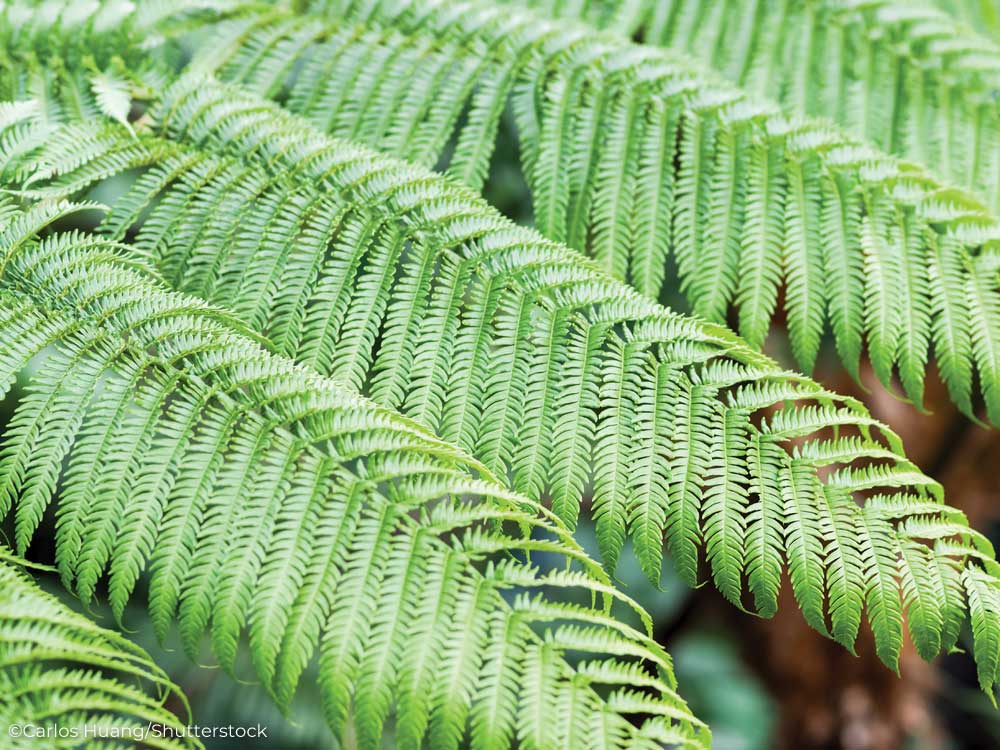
57,668
741,195
685,432
904,76
266,500
71,60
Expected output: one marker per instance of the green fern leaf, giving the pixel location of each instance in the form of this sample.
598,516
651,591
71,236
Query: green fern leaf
758,490
904,76
599,120
112,93
264,499
238,202
59,668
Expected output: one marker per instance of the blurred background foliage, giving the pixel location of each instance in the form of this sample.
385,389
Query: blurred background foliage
760,684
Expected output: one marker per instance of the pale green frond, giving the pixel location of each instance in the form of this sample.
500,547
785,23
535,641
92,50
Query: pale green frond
984,600
223,450
267,502
556,375
57,668
112,92
905,76
634,154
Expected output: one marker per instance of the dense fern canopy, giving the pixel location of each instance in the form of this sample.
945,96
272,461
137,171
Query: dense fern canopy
638,157
59,668
320,398
262,497
529,357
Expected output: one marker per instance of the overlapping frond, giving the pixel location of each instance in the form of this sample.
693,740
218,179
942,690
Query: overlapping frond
59,669
903,75
405,285
265,501
636,156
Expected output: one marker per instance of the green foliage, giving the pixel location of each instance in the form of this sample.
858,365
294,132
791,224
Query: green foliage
636,156
408,287
194,414
83,58
59,668
978,14
264,499
906,77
